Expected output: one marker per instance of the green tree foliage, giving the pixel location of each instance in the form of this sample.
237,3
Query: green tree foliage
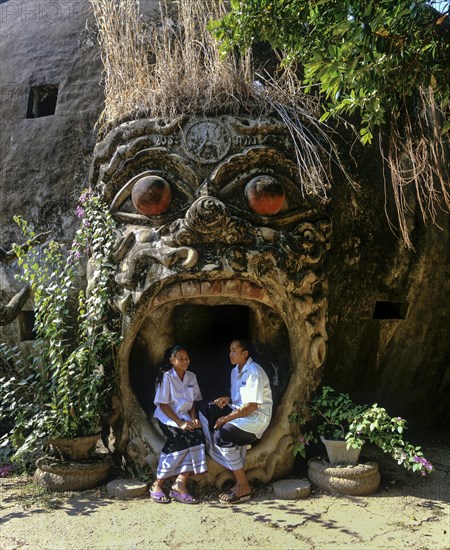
365,56
383,64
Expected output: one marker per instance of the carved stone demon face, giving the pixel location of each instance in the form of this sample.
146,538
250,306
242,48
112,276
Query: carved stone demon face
217,242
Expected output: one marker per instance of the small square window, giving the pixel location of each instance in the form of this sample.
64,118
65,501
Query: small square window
42,100
390,310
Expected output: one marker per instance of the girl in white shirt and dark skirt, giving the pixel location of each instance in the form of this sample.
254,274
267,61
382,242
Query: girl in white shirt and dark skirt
231,423
184,451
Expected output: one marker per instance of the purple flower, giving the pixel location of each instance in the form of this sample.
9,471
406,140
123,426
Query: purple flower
83,197
5,471
73,255
425,463
86,223
80,212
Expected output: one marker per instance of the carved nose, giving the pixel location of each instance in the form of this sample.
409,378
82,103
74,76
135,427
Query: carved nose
206,213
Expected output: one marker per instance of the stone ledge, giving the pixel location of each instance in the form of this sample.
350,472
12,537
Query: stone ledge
291,489
126,488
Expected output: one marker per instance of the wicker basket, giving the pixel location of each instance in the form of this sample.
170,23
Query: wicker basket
355,480
58,475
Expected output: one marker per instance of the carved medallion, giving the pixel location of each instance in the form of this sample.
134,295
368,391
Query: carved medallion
207,141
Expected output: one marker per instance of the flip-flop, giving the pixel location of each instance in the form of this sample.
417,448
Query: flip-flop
186,498
160,497
232,498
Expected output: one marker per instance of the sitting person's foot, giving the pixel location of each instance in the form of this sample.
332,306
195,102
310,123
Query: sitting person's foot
179,487
180,493
232,498
158,495
236,493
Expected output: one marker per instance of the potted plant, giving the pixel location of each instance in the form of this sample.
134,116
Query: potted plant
63,391
338,419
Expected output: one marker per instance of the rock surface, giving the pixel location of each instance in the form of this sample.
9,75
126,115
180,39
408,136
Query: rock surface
126,488
291,489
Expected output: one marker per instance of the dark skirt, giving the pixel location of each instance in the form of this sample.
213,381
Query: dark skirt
183,452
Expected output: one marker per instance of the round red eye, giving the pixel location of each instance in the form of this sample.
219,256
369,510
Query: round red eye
151,195
265,195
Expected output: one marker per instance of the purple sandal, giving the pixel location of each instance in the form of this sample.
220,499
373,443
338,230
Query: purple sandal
160,497
186,498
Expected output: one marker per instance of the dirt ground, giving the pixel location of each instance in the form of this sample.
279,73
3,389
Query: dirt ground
408,511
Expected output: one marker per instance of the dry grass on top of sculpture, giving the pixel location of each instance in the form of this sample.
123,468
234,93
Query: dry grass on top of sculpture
171,66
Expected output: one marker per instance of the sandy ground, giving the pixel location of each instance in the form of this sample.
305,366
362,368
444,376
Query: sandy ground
408,511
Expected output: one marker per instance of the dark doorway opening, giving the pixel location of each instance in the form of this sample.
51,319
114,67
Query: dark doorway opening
206,332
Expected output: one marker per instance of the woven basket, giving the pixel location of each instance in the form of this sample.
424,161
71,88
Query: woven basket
355,480
58,475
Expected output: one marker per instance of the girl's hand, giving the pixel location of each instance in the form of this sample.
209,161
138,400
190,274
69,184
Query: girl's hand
196,423
188,426
222,401
220,422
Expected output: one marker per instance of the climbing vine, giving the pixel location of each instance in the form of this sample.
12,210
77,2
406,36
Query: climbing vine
64,390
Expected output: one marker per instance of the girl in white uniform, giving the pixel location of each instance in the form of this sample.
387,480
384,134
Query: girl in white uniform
184,451
231,423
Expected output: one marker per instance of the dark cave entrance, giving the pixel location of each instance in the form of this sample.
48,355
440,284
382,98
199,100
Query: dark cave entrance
206,331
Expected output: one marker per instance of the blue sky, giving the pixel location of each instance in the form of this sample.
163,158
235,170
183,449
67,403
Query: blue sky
441,6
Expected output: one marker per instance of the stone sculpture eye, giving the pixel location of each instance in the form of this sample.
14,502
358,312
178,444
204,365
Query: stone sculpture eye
151,195
265,195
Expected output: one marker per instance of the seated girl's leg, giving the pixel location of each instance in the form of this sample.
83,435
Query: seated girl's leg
232,435
228,436
212,412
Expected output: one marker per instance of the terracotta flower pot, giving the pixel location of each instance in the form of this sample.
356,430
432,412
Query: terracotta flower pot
76,448
338,453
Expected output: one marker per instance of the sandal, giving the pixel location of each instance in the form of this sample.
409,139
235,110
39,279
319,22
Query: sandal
231,497
186,498
160,497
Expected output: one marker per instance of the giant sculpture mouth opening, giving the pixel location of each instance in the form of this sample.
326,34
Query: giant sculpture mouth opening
206,327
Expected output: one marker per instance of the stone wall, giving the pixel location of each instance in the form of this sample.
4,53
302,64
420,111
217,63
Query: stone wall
45,159
400,362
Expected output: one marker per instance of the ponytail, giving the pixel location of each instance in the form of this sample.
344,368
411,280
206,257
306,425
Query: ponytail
168,354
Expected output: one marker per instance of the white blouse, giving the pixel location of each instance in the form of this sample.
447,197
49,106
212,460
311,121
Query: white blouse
179,394
251,385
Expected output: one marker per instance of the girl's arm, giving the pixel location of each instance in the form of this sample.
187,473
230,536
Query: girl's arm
193,415
240,412
222,401
182,424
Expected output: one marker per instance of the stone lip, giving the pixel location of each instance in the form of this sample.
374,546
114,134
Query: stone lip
126,488
291,489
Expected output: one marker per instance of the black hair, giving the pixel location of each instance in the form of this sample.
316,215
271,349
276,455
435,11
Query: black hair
245,344
167,365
